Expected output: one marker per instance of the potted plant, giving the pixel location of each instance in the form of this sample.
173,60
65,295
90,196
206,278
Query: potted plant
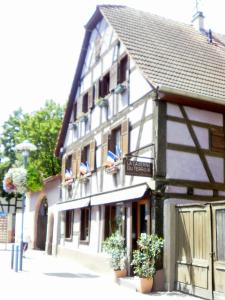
75,125
101,102
144,260
115,246
84,117
120,88
112,170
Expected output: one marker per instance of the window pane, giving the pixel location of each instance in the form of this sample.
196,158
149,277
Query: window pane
68,223
116,147
86,155
98,157
85,103
69,163
84,231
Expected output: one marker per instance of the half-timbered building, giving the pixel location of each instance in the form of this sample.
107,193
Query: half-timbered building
143,127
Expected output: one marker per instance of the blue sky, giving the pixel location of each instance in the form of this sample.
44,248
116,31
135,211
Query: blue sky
41,40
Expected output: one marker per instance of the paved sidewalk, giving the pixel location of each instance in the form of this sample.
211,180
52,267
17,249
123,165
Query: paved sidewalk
55,277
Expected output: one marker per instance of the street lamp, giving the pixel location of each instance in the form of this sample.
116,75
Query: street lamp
25,148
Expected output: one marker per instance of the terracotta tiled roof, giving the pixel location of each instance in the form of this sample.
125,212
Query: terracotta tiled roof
52,178
171,53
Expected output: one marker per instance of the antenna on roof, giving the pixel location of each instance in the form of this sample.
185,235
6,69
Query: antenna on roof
198,5
210,37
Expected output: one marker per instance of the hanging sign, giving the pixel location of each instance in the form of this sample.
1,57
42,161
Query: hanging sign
138,168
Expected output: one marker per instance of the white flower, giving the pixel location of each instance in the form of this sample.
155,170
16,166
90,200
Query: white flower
18,178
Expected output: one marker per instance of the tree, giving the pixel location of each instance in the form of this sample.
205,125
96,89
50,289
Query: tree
8,141
40,128
9,135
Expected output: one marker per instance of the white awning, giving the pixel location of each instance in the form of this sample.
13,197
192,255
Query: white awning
125,194
73,204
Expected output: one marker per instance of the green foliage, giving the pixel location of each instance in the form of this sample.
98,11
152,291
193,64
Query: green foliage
9,133
115,246
34,178
101,102
145,258
40,128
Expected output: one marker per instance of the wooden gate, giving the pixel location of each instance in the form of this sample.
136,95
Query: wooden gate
200,256
218,224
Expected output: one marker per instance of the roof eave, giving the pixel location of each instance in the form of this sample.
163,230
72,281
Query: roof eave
62,133
166,93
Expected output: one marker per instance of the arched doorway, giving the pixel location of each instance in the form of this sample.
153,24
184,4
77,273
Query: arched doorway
42,220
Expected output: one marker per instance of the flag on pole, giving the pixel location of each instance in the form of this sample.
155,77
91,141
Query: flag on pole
88,167
68,175
83,169
111,158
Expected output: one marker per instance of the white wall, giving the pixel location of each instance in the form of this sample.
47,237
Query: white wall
186,165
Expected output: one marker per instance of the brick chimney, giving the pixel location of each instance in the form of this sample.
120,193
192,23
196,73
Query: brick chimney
198,21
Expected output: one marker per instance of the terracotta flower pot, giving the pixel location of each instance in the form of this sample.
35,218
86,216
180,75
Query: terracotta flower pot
120,273
144,285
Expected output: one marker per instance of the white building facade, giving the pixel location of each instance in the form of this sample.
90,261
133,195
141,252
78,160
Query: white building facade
140,93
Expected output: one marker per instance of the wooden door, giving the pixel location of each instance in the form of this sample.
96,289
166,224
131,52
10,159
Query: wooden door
140,217
193,260
218,217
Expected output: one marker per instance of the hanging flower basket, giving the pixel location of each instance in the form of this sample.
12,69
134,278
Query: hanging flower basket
15,180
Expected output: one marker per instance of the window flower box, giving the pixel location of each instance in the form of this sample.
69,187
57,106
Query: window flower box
84,118
112,170
120,88
84,178
102,102
68,181
74,125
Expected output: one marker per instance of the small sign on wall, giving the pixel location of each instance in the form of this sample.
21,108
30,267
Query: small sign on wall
138,168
